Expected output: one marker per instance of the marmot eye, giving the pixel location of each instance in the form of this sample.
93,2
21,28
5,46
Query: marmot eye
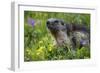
56,21
62,23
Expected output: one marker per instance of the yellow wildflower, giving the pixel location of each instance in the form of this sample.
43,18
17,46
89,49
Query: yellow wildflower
40,50
50,47
38,53
40,42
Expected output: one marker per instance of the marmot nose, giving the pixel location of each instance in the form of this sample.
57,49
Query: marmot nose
48,22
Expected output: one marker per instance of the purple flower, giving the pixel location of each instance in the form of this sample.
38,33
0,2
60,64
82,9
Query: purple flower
31,21
83,42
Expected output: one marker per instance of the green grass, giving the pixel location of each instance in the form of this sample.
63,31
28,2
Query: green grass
39,44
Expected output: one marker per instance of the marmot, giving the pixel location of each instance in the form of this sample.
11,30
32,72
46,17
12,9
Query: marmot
72,36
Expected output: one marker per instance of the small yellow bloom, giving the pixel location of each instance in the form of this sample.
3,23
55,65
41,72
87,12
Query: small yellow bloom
50,49
38,53
40,49
40,42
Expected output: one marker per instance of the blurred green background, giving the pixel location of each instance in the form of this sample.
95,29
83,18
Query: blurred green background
39,44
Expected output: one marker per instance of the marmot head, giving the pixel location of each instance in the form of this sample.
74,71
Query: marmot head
55,25
59,30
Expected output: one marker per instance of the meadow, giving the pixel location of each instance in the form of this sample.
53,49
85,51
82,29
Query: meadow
39,45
